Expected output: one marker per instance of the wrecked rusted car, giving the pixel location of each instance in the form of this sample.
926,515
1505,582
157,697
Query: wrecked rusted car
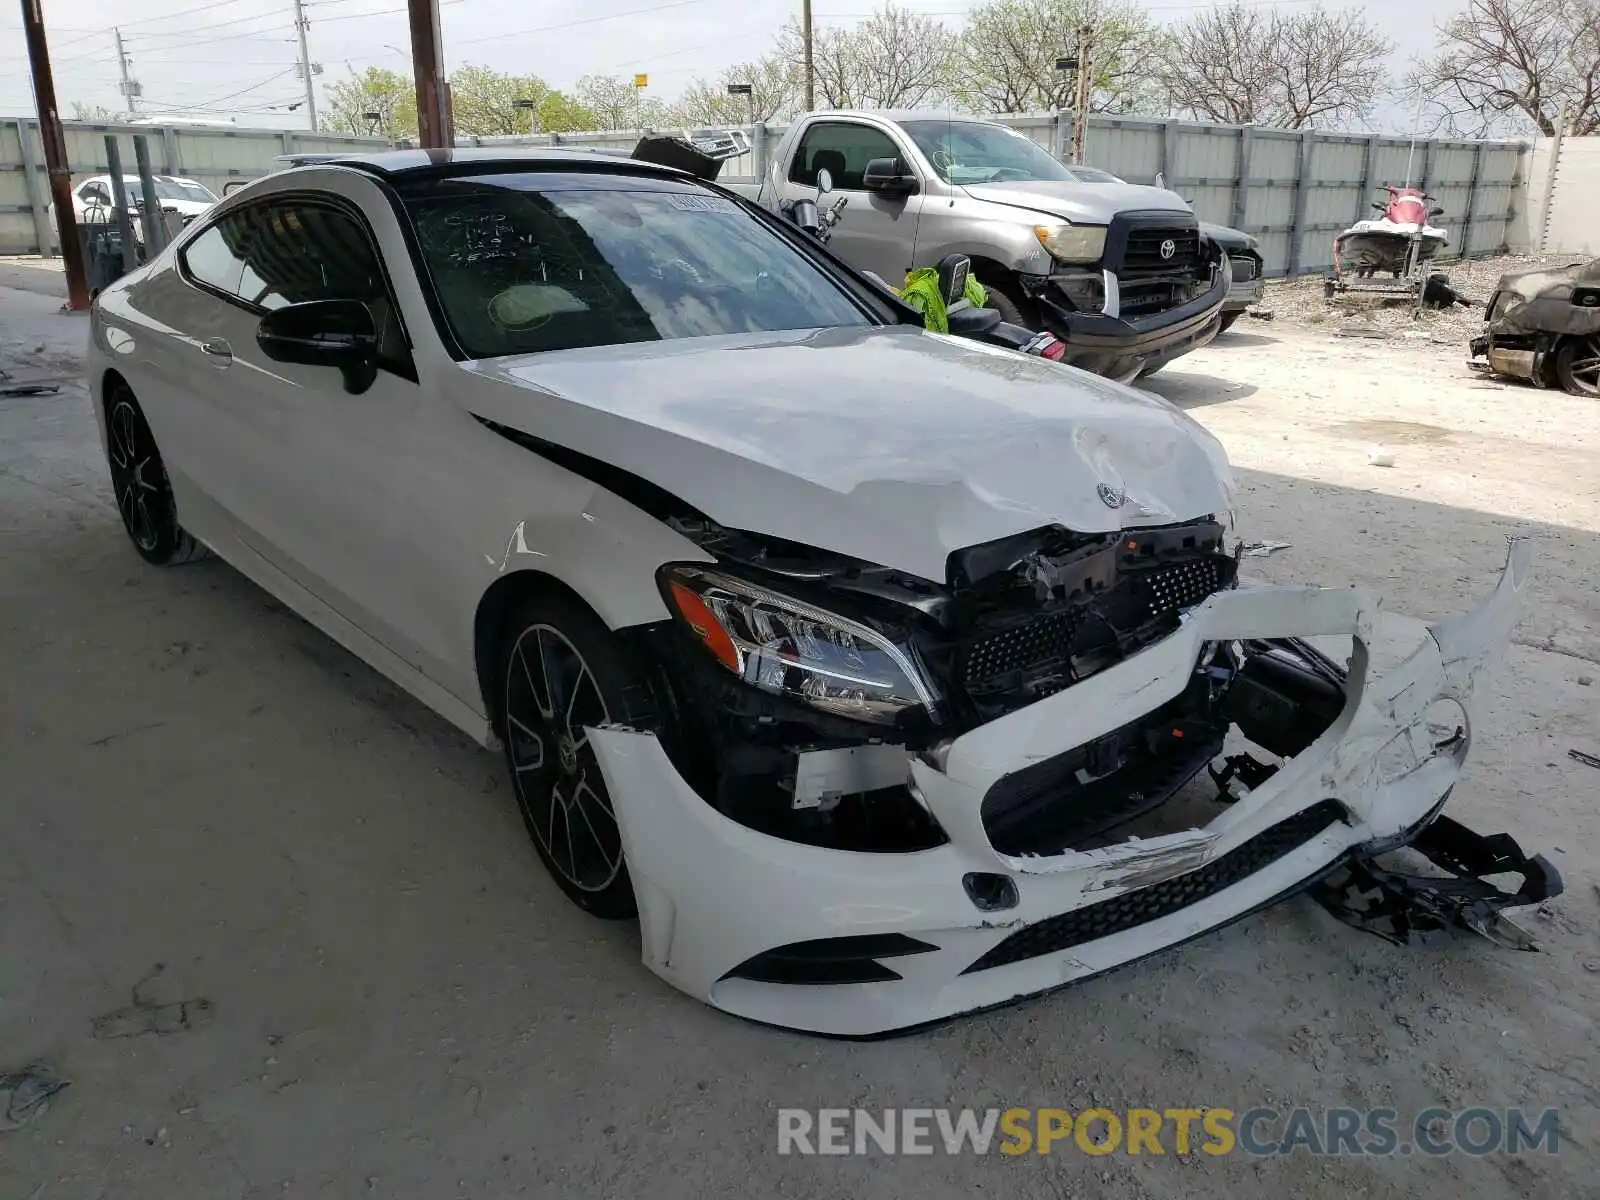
1544,327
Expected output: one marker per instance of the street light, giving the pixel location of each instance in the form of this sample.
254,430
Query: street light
749,93
533,111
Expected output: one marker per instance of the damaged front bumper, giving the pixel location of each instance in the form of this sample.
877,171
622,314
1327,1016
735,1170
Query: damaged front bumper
746,921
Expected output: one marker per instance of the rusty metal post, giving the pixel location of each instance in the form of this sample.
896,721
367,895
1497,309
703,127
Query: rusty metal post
434,127
55,155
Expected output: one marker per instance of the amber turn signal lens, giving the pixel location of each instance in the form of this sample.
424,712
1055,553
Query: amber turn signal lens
699,617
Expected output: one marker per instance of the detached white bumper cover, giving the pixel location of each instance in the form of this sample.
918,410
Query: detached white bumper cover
713,893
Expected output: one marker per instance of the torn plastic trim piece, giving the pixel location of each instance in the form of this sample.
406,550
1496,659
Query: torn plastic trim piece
1396,905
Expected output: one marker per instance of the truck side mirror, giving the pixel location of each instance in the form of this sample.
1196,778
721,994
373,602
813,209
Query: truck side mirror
889,177
824,181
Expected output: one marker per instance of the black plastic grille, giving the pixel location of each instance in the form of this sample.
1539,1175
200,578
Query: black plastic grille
1036,645
1182,585
1243,266
1143,905
1047,641
1142,254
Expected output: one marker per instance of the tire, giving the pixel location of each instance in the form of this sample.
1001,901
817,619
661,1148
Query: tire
561,669
1228,320
140,485
1578,366
1009,307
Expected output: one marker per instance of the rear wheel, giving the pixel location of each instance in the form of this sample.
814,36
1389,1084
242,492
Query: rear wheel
1578,365
562,672
139,482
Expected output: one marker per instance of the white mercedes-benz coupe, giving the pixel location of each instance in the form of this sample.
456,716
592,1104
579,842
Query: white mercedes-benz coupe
869,667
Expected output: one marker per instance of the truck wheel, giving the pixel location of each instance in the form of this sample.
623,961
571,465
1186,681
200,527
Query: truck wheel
1010,307
1578,366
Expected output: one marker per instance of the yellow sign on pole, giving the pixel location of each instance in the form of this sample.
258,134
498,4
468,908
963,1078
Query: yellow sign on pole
640,81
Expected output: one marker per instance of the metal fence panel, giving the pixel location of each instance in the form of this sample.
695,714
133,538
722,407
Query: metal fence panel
1292,191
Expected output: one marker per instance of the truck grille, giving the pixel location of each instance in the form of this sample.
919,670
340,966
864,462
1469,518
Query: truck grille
1143,255
1244,267
1143,905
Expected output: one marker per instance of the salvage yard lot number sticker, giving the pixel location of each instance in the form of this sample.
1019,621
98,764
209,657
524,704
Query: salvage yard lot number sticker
716,204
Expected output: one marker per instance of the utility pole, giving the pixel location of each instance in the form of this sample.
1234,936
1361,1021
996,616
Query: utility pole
1084,93
305,66
435,130
811,81
55,155
130,86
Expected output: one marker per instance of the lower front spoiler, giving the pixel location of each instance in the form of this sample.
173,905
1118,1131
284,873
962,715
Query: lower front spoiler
1396,905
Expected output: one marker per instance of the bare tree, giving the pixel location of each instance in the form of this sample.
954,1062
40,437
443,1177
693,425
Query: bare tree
774,92
1317,69
893,59
616,104
1009,49
1508,65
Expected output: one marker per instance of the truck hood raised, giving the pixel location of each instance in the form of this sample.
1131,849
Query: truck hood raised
1084,203
890,445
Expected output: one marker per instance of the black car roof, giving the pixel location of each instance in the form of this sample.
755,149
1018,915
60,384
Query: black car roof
401,164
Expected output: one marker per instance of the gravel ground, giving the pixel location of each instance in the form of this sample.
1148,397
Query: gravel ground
368,987
1302,301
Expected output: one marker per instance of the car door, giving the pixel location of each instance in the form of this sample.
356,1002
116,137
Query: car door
317,469
875,232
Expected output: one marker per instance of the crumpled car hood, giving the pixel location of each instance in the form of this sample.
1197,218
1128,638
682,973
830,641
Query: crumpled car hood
1085,203
1541,300
890,445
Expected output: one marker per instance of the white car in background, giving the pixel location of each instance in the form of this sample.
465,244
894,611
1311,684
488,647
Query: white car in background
867,666
177,194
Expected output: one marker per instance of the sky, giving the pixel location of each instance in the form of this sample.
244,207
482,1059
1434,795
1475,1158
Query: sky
238,56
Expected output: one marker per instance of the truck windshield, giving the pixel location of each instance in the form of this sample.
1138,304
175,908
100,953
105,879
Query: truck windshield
528,263
977,152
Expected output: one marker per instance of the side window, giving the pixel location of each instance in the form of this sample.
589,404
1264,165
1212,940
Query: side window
844,148
216,257
95,191
299,251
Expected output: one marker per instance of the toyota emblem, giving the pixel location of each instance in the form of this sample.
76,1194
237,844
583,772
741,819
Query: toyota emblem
1168,248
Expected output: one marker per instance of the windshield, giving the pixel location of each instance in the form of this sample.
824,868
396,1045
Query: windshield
1094,175
168,189
976,152
526,263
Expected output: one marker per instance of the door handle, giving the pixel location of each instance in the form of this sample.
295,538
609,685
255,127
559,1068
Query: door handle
218,350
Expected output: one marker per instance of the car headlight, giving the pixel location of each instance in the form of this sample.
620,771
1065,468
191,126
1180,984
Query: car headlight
1072,243
790,648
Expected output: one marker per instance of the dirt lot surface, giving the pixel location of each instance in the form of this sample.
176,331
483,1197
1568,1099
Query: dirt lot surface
283,931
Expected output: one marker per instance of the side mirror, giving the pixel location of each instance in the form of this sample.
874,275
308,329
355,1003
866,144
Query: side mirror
324,333
889,177
1380,207
824,181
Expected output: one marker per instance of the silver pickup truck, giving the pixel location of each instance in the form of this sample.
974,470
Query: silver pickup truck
1122,273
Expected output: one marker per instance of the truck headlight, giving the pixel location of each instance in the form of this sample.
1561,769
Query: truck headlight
790,648
1072,243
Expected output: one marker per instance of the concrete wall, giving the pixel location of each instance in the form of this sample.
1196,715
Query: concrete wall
211,156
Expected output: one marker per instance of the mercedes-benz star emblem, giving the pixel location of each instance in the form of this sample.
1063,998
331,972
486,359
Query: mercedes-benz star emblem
1112,496
1168,248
